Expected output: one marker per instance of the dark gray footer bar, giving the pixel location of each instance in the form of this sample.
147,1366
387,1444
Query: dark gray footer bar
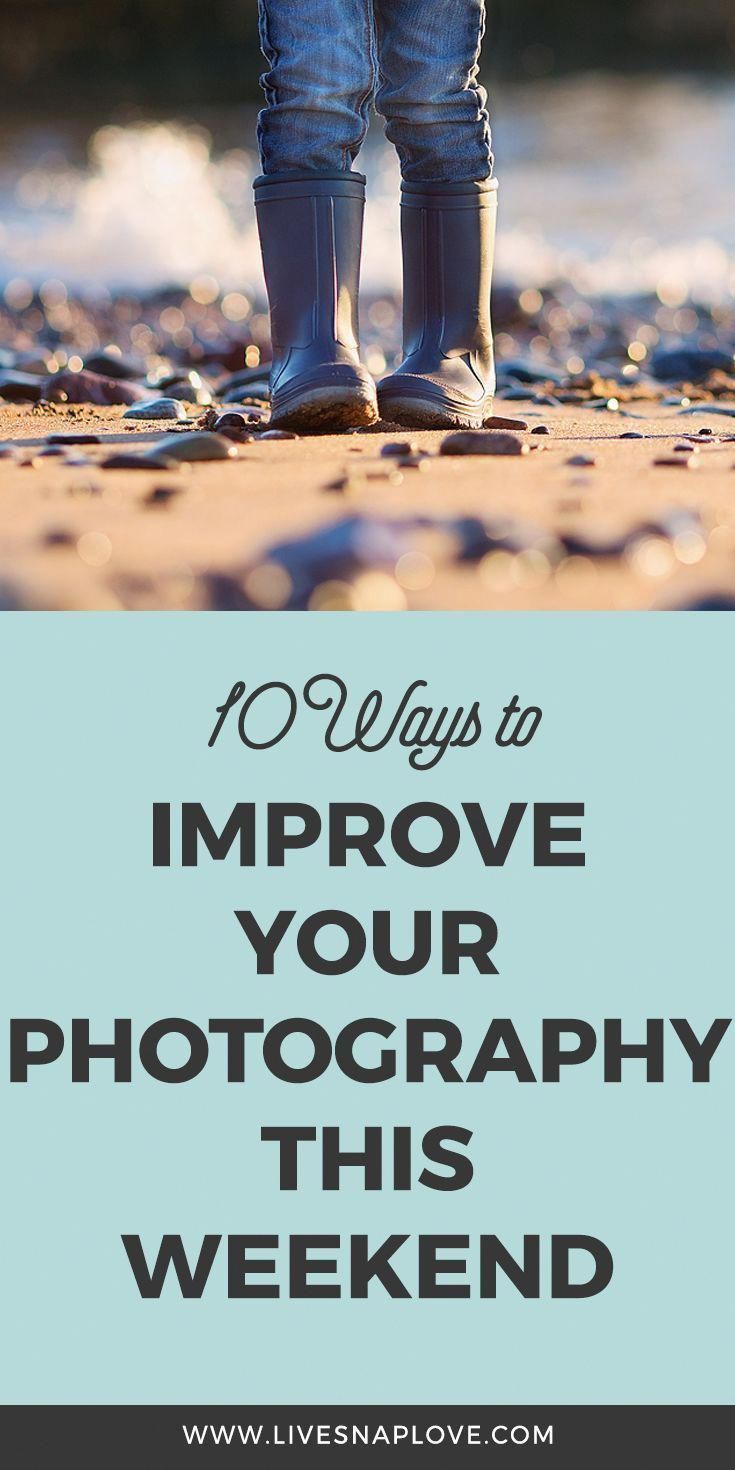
204,1435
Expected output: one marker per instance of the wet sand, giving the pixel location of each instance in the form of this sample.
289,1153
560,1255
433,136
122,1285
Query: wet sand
76,536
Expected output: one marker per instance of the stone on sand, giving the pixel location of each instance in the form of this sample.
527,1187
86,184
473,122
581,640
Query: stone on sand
157,408
199,445
85,387
481,441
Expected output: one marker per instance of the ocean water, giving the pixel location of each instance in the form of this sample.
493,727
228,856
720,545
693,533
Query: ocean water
619,186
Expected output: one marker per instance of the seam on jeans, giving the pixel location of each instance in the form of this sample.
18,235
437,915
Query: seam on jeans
380,77
479,91
365,98
271,55
382,81
269,51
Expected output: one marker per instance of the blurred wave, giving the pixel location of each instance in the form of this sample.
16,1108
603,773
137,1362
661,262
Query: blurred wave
617,186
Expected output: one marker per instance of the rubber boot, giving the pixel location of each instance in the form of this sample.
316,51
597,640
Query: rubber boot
447,378
311,237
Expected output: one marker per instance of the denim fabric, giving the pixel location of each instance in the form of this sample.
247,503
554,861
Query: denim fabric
416,60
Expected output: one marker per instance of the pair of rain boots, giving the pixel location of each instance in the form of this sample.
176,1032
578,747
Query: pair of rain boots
311,237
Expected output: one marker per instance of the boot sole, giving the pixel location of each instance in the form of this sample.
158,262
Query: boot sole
328,409
426,413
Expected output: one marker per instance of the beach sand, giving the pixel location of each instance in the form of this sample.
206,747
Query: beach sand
76,536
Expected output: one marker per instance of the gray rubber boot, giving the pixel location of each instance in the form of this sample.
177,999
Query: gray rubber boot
311,237
447,378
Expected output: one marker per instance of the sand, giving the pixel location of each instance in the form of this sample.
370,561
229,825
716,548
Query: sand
75,536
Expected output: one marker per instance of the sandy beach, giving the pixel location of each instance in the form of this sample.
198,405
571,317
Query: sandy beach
584,519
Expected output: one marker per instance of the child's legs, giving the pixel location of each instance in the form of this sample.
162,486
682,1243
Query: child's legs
319,84
428,52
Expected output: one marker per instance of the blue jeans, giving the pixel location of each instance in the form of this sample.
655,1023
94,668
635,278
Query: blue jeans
416,60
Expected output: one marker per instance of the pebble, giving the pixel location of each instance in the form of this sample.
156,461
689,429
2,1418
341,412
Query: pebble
63,439
18,387
517,425
596,547
235,426
669,525
399,448
478,441
708,602
679,521
86,387
125,460
162,495
541,429
238,395
632,434
582,462
200,445
279,434
343,482
224,593
38,363
518,395
689,364
477,537
336,552
40,460
158,408
114,365
57,536
524,370
249,382
230,420
677,462
13,598
189,388
419,461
